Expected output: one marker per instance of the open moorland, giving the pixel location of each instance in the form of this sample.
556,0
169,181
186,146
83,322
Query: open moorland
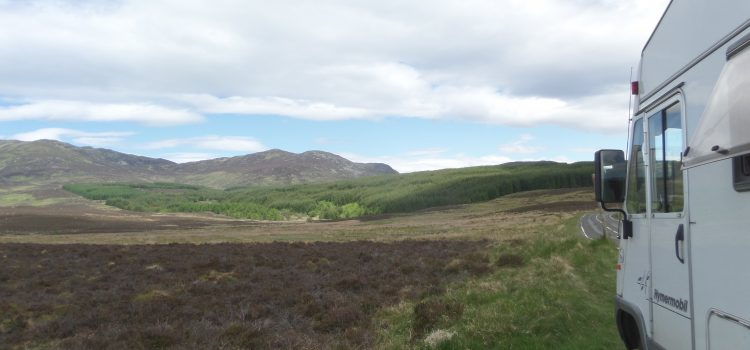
513,272
276,295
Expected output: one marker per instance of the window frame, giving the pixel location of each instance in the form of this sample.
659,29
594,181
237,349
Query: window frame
643,120
658,110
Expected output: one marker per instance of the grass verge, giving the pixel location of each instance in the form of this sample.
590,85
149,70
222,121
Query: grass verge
553,291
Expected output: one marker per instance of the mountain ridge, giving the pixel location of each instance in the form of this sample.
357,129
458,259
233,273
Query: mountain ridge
50,161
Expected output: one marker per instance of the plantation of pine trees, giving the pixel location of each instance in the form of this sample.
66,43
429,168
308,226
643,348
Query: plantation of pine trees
348,198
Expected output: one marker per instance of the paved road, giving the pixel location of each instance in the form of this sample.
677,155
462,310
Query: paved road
594,225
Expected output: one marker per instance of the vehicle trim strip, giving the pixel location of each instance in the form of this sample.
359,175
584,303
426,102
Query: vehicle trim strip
671,93
738,46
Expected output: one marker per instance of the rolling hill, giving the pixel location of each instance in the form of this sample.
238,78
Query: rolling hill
54,162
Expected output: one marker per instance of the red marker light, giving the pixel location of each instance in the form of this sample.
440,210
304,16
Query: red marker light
634,88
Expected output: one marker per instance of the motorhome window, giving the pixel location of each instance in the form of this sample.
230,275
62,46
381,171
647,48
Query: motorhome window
636,195
741,171
665,140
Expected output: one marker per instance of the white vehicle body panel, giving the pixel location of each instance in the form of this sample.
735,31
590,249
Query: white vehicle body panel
687,30
721,246
635,276
691,293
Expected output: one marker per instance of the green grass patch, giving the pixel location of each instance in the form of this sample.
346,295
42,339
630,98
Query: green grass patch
12,199
554,291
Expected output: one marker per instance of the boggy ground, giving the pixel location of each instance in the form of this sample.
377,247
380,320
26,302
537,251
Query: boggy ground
232,296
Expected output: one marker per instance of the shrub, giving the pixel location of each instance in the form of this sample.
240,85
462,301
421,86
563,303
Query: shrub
326,210
352,210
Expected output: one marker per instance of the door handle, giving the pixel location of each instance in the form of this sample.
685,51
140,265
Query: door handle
679,237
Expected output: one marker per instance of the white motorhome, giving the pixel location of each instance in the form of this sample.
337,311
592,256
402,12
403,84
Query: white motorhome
683,279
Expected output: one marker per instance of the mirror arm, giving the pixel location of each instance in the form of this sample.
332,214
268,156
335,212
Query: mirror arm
617,210
627,225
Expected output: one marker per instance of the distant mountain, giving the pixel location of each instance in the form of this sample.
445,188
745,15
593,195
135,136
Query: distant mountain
277,167
48,161
53,161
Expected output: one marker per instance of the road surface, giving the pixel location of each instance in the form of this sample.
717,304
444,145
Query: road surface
594,225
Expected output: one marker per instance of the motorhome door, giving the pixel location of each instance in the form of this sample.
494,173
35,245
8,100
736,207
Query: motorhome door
670,292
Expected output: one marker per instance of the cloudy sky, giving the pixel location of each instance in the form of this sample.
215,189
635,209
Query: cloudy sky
417,84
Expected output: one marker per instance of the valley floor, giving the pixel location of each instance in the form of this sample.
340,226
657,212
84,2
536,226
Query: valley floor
81,221
512,273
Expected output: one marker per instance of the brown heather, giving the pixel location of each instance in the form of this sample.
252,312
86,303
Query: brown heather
223,296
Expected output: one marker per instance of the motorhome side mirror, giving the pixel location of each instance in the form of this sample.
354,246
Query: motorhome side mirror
609,176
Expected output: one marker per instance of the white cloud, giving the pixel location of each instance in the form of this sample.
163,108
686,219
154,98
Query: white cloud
411,162
165,62
212,142
562,159
413,96
440,158
188,157
521,145
274,106
59,110
97,139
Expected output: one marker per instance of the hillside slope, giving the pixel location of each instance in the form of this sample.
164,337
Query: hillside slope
55,162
